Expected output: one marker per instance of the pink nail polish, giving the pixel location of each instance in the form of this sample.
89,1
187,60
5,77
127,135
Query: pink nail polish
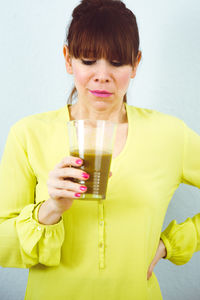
78,161
77,195
85,175
83,188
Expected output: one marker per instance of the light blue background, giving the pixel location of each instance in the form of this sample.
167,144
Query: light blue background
34,79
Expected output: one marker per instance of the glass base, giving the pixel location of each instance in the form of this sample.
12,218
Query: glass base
86,196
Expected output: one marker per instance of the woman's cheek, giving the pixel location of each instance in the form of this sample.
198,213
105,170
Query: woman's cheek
124,81
80,76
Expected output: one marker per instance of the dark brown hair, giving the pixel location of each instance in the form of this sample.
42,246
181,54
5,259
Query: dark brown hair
103,28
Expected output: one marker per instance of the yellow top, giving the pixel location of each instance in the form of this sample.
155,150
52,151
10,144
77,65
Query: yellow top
98,250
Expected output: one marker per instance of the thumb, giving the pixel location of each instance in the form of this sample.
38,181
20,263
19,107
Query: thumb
150,270
161,252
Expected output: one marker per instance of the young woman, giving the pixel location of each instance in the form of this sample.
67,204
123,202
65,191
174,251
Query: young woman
78,249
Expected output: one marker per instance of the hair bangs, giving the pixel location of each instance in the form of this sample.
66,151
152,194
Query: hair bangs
102,36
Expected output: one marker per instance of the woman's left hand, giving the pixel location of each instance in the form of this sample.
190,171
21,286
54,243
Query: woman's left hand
160,253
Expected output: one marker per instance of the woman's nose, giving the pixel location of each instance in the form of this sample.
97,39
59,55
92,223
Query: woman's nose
101,79
102,73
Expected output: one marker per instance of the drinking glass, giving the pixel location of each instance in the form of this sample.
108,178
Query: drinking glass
93,142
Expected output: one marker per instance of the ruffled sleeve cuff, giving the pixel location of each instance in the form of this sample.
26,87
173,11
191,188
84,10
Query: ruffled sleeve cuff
180,241
39,243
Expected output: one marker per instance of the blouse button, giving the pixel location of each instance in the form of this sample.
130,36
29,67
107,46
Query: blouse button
38,228
101,245
101,223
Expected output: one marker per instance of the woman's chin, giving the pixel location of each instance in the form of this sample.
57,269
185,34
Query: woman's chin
101,102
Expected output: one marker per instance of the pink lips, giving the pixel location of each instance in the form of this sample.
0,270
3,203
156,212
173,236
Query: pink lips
102,93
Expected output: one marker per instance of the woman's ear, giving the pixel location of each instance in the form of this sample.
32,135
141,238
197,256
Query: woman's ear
68,60
139,56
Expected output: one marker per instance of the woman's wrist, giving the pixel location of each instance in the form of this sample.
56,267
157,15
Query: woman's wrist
47,213
164,250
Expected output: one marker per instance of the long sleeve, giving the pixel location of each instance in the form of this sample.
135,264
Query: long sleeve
182,240
24,242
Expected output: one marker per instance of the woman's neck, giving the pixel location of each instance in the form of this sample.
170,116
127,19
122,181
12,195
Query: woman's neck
116,114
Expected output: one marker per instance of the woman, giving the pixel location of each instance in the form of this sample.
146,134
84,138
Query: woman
79,249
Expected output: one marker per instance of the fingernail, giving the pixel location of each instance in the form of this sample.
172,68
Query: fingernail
83,188
85,175
78,161
77,195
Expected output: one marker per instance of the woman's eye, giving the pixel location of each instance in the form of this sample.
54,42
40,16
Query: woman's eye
116,64
90,62
87,62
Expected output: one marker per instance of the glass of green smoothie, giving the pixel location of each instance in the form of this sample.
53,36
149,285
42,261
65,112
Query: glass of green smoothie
93,142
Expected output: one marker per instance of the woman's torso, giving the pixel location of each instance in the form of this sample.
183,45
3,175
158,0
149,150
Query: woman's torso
111,244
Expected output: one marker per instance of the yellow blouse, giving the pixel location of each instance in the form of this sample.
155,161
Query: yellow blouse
99,249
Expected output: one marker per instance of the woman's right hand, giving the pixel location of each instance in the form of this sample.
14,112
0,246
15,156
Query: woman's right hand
62,190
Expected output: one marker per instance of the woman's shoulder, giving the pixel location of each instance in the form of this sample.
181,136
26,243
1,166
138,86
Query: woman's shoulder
40,118
38,122
153,115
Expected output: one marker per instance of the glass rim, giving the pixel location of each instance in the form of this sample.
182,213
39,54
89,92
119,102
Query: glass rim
90,120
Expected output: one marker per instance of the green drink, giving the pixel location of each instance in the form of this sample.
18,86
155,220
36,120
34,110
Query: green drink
97,165
92,141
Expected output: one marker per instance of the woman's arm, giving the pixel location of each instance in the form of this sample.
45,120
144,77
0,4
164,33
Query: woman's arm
24,241
182,240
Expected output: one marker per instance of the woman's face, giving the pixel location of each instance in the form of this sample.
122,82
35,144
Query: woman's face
91,74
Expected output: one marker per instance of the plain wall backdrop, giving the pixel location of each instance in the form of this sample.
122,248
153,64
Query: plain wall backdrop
34,79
